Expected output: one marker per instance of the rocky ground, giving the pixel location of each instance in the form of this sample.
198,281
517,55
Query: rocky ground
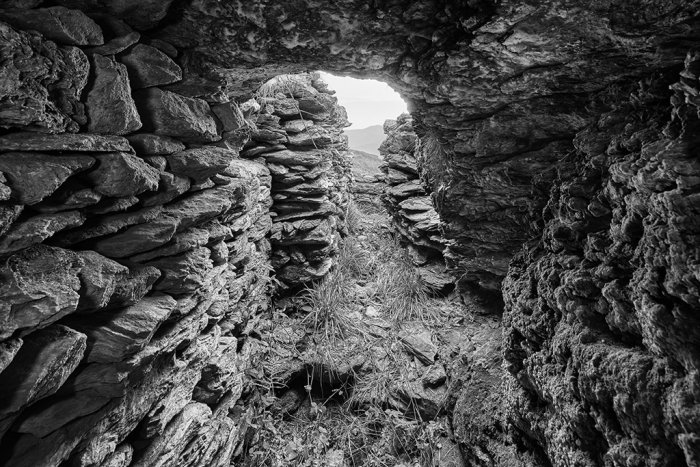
358,370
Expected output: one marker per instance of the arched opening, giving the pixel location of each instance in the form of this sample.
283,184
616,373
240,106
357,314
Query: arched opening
138,188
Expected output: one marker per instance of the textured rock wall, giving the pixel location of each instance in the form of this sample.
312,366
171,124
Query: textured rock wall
134,250
410,206
299,134
538,135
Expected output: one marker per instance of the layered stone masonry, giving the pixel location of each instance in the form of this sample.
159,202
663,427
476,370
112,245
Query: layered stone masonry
299,133
410,205
134,243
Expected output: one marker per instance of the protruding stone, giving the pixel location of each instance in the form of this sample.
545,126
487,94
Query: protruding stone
42,84
168,114
116,45
110,107
120,174
171,186
38,228
183,273
149,66
126,331
71,27
99,278
34,176
200,163
8,350
82,142
147,144
44,362
133,286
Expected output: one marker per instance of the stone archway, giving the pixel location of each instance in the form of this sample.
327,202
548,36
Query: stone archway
558,160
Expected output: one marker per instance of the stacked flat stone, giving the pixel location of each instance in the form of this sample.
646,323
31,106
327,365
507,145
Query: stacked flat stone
410,205
133,251
299,134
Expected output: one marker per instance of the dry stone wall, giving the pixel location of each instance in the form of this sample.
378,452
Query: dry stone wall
135,242
299,135
410,204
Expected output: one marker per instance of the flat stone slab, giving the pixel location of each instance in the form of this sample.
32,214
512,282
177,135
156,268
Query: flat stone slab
82,142
147,144
34,176
60,24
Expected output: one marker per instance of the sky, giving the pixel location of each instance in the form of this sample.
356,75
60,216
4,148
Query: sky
367,101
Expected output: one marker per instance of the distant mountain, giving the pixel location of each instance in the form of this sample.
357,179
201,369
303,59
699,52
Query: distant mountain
367,139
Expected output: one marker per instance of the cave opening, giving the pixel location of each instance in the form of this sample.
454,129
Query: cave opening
512,284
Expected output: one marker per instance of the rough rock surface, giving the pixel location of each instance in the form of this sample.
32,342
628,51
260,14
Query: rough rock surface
410,206
561,164
310,174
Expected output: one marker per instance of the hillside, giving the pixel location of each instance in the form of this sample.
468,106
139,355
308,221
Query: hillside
366,139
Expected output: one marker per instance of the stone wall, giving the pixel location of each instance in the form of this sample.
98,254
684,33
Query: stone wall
550,170
299,135
135,241
410,204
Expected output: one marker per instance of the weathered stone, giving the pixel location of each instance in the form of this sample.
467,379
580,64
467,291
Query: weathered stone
9,214
44,362
133,286
126,331
99,278
57,23
149,66
116,45
171,186
139,238
38,228
41,83
8,350
39,285
82,142
183,273
120,174
34,176
297,126
140,14
121,457
68,199
147,144
419,343
201,163
168,114
110,108
108,225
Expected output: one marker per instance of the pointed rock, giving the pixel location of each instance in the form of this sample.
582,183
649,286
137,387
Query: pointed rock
110,107
121,174
149,66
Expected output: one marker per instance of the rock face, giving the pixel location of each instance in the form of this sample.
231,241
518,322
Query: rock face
127,266
556,141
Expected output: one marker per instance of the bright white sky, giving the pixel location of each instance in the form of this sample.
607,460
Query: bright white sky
367,101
